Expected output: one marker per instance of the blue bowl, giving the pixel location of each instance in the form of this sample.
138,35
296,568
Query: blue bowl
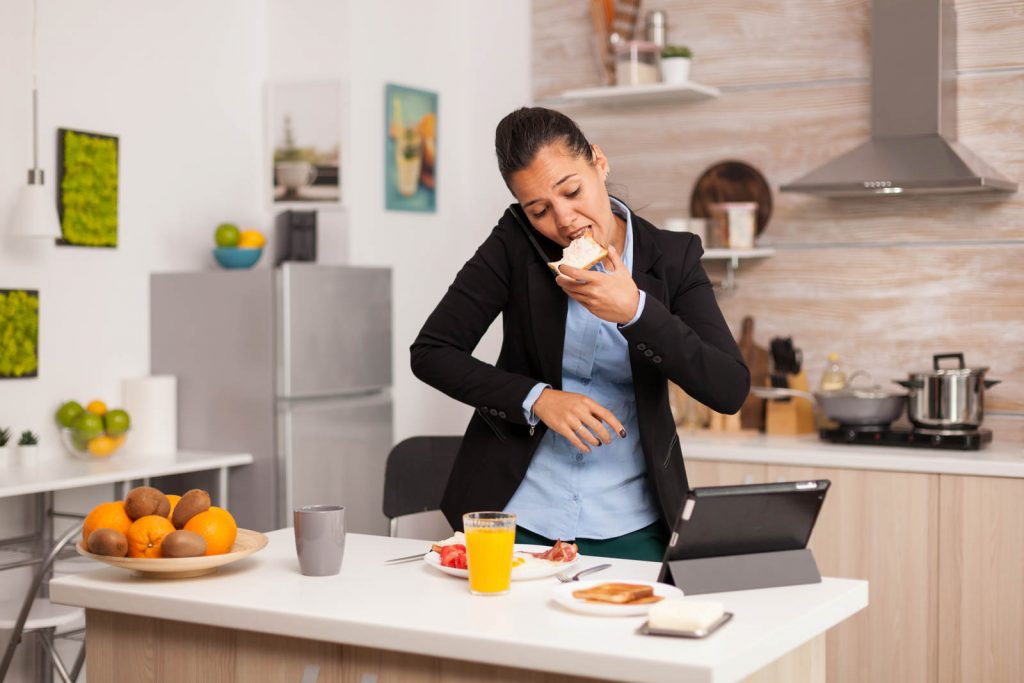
236,257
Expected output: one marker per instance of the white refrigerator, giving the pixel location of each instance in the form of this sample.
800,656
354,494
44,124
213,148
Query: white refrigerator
293,365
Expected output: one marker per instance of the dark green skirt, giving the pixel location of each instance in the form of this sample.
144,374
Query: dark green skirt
643,544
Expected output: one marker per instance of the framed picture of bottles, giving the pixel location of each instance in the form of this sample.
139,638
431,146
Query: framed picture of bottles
410,149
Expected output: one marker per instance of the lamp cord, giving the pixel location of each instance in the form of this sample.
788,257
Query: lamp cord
35,94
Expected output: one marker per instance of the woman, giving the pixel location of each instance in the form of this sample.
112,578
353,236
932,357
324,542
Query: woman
572,430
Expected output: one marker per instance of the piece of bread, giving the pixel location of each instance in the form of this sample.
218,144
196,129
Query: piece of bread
618,593
684,615
583,253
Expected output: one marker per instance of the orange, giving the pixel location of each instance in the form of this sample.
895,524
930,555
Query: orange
97,407
173,500
217,527
107,516
251,239
146,535
102,446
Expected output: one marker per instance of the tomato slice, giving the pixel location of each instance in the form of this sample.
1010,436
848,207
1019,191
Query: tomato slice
454,556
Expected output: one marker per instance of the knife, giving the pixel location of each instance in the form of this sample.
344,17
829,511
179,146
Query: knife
407,558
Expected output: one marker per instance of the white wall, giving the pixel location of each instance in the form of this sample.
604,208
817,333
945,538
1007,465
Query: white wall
181,84
476,56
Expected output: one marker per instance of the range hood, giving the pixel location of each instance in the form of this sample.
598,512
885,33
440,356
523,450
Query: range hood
913,147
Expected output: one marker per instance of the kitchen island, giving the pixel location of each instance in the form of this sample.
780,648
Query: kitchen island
938,534
259,619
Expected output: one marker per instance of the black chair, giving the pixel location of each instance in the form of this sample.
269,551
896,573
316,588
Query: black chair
416,474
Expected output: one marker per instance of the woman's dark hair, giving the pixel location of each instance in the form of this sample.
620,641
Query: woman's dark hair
523,133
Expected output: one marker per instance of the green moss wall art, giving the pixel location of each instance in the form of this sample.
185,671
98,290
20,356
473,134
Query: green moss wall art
87,188
19,333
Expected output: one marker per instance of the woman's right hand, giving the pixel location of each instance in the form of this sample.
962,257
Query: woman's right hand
578,418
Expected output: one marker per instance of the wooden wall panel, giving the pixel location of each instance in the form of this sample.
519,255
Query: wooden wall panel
889,310
885,281
989,34
657,152
743,43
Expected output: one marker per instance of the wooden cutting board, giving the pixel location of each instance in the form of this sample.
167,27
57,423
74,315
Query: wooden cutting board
758,360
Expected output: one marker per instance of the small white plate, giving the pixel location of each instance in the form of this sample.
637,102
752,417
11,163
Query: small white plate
533,568
562,594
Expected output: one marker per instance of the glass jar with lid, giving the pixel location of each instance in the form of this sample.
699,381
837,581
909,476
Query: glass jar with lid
636,63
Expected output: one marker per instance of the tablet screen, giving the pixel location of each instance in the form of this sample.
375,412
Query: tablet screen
737,520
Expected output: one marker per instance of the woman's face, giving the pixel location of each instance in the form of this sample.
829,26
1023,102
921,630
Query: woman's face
564,194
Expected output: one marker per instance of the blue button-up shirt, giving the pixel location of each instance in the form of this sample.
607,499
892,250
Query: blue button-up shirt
602,494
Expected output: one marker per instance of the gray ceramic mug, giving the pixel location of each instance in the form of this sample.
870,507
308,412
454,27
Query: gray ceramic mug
320,539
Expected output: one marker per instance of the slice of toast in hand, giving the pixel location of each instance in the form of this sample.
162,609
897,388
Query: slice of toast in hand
583,253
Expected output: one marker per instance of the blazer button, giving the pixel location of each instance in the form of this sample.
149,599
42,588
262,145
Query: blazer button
494,412
641,347
483,409
656,359
501,414
648,353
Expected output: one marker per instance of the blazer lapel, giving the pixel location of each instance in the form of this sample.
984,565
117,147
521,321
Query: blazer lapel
548,308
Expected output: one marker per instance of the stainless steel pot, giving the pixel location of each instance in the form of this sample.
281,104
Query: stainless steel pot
947,398
851,407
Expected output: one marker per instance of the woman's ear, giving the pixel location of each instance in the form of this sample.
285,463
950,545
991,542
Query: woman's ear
600,162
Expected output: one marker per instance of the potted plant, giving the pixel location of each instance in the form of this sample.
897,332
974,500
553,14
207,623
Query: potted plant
28,445
6,452
675,64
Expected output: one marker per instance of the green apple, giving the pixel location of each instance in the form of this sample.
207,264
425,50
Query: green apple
68,412
116,422
227,235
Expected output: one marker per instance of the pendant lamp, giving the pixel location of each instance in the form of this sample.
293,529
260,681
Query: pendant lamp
35,211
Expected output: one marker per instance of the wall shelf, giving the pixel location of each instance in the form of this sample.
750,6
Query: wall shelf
732,258
635,94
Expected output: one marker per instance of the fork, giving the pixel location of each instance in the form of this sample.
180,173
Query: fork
564,578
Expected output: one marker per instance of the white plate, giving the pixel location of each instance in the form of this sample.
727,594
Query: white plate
562,594
531,570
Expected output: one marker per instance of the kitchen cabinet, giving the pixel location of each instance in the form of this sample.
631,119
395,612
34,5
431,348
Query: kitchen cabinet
714,473
879,526
981,589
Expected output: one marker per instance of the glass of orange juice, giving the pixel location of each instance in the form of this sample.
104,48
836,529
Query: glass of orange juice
490,537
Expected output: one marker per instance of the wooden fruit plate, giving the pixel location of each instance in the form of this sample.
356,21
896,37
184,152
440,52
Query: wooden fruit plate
246,543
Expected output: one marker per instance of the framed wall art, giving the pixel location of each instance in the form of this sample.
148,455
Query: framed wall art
19,333
87,173
410,149
303,122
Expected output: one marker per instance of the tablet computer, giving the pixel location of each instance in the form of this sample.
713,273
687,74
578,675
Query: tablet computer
717,521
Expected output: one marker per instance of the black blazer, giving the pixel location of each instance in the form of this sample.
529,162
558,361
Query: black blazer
681,336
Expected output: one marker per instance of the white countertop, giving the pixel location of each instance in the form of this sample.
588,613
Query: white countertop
994,460
65,472
414,608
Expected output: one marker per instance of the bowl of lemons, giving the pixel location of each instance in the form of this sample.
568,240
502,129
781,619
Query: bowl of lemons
237,248
92,432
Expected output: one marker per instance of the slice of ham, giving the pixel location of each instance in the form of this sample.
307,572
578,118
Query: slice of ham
559,552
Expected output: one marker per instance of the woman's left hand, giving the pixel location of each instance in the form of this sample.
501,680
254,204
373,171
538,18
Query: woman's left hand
611,296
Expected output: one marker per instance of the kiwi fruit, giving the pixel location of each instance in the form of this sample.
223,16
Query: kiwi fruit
190,505
193,503
110,542
146,500
183,544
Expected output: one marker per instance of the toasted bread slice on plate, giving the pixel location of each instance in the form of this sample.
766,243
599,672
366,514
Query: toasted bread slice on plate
618,593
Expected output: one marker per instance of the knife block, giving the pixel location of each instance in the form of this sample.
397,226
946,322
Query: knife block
792,416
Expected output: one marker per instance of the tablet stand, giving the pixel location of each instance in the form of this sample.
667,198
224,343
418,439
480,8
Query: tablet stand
741,572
